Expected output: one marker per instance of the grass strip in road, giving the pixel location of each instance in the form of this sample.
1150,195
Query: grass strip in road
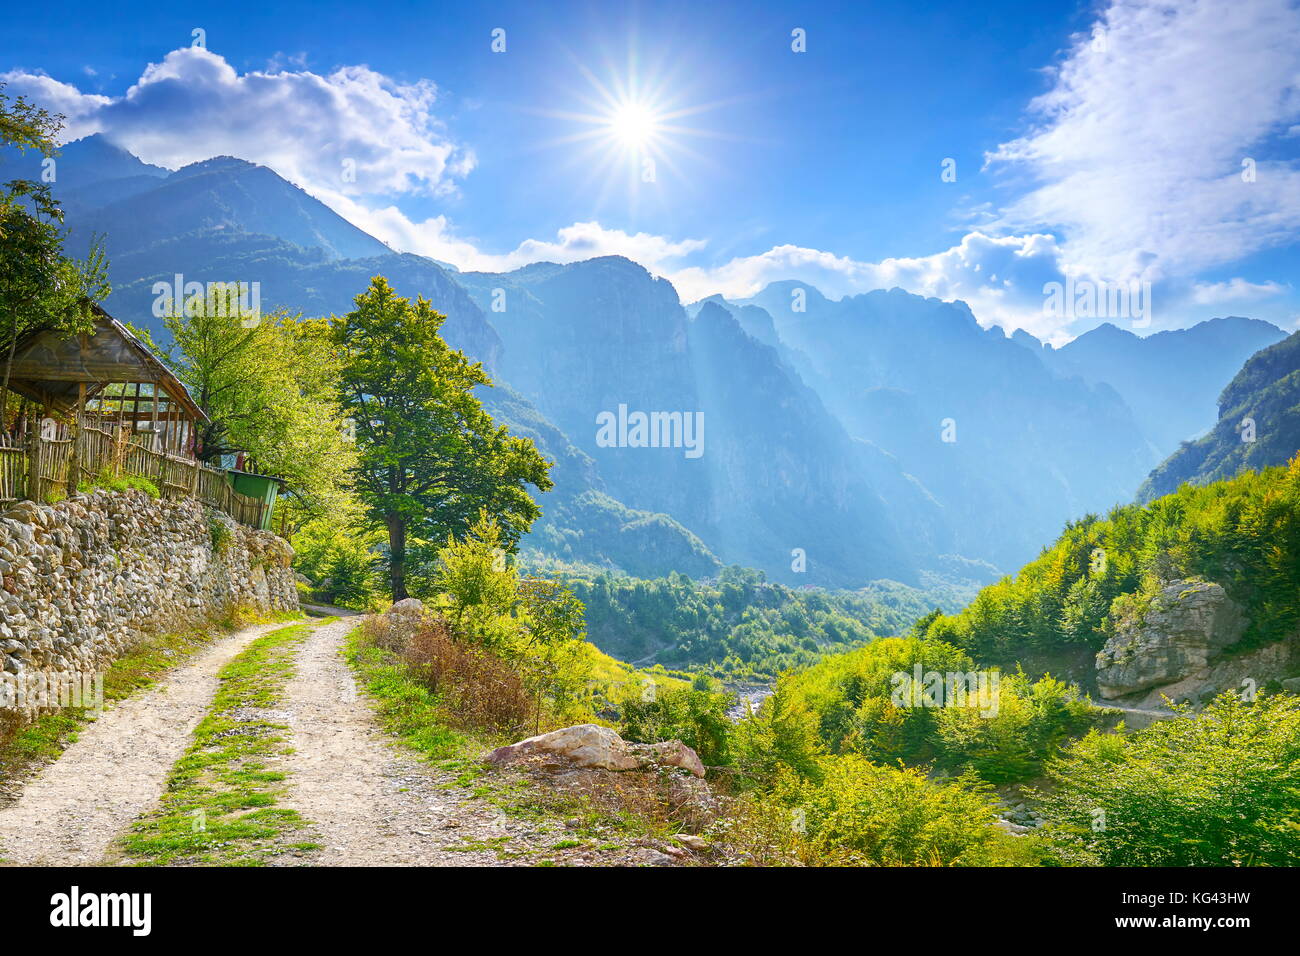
220,806
27,748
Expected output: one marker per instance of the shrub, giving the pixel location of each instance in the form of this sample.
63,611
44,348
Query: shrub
480,689
1031,721
781,738
857,813
696,717
475,582
1214,789
221,535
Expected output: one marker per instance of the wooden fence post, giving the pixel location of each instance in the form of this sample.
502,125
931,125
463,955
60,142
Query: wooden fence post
33,485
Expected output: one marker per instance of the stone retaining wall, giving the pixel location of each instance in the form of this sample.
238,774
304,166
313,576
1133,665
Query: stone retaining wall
83,580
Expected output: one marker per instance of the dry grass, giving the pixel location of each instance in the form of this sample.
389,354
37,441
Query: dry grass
479,690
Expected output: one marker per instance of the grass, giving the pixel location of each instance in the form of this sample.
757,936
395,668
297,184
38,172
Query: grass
25,749
220,806
107,481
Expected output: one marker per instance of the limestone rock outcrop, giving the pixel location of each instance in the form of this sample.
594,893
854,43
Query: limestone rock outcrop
1187,626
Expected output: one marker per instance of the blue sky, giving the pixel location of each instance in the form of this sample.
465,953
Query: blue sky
1102,140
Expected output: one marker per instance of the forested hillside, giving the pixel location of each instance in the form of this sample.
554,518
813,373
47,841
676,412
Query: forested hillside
1259,424
1243,534
742,626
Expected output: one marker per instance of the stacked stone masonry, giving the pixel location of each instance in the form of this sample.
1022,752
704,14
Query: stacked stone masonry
82,581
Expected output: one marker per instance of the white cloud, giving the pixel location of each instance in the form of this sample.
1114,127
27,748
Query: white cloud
1001,278
1137,155
435,237
308,127
1234,290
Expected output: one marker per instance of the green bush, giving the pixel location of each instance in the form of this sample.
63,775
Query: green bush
697,716
781,738
1031,722
1219,788
220,533
857,813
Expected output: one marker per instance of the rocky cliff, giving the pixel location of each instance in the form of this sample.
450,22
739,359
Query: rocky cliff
1180,648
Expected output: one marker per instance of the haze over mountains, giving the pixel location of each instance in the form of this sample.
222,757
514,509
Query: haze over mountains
1258,426
885,435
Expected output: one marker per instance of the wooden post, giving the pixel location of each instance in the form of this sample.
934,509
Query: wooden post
74,450
32,490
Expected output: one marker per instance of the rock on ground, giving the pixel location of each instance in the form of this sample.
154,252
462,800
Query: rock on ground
590,745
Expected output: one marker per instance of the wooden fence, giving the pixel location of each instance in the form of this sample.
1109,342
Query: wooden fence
49,468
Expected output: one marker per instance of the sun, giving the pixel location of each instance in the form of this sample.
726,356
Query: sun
633,124
627,128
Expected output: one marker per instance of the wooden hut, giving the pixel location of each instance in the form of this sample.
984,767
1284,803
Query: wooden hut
102,402
107,377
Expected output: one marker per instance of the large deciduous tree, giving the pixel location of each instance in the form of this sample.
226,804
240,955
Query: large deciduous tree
430,458
270,385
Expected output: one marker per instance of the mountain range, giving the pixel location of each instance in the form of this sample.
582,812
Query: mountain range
883,435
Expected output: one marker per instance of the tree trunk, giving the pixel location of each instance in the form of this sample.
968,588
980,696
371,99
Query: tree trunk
397,556
4,391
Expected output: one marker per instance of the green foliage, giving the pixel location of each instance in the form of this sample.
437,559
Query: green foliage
40,287
107,481
535,624
739,627
1004,726
430,458
696,715
271,390
1243,534
1219,788
1267,392
476,584
339,556
781,738
219,531
1032,721
407,707
856,813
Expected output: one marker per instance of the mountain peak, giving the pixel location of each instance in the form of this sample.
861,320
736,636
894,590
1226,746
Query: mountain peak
215,164
1107,332
787,285
96,158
